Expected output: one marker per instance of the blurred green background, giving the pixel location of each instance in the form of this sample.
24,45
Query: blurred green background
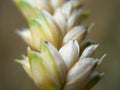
105,14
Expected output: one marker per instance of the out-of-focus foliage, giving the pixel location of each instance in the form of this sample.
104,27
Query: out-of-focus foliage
105,13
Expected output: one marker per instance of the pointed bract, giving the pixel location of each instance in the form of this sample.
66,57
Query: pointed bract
92,80
77,33
80,73
26,36
26,65
59,18
52,54
74,19
53,28
70,53
27,7
85,44
89,51
39,71
44,5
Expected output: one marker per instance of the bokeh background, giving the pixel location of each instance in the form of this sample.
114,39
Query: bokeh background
105,14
